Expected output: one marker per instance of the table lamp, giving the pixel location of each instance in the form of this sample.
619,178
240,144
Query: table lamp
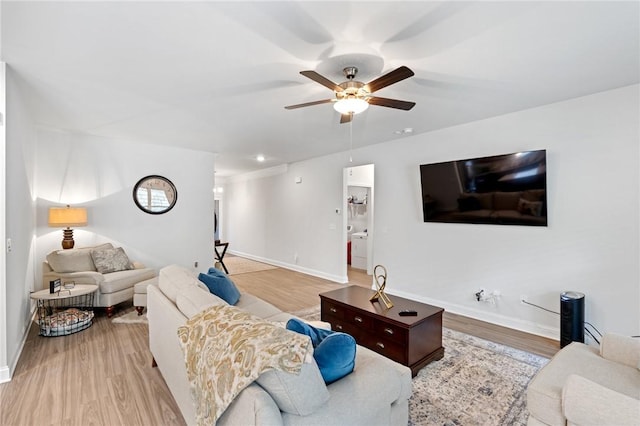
66,217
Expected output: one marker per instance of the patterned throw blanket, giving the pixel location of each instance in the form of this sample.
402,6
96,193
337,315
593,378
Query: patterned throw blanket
226,349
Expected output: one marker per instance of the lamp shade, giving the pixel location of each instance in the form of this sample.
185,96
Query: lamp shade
60,217
351,105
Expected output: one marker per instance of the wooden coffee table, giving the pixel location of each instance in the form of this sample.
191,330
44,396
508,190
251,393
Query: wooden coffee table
413,341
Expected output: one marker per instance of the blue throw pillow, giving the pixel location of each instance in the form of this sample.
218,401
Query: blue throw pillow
334,352
219,284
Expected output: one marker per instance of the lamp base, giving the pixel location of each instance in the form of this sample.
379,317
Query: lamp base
67,241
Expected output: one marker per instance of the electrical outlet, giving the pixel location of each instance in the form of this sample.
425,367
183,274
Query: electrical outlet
195,264
523,298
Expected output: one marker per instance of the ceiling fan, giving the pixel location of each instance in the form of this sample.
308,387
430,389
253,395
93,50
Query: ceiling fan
353,97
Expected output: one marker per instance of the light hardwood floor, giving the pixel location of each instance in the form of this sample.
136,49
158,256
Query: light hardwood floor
103,375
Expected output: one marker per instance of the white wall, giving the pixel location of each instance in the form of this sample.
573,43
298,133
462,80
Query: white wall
90,171
46,167
19,220
290,224
591,243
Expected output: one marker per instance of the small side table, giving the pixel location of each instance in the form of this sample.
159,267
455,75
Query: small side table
66,311
220,256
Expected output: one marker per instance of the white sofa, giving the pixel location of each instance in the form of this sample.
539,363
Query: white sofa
376,393
582,385
77,265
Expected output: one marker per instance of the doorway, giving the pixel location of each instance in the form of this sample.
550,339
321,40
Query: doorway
358,195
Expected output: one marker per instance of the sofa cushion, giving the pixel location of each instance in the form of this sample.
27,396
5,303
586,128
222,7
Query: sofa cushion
173,278
533,194
486,200
107,260
468,203
505,200
220,285
121,280
300,394
192,300
334,352
257,306
532,208
141,287
74,260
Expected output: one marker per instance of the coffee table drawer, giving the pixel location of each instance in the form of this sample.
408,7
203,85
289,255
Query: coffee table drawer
388,348
334,310
357,319
390,331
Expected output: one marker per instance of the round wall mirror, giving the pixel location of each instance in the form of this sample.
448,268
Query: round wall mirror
155,194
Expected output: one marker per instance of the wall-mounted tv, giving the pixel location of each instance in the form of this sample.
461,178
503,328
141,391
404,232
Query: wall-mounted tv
508,189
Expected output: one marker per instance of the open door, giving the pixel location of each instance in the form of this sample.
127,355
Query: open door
358,208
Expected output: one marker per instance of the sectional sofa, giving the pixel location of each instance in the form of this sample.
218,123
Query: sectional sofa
376,392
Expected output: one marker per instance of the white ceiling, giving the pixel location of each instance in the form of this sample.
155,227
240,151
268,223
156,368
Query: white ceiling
215,76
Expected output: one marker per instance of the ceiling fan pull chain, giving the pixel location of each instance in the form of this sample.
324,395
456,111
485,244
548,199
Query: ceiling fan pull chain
351,140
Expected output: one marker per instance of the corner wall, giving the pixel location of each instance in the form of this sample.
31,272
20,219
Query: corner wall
99,173
19,219
591,244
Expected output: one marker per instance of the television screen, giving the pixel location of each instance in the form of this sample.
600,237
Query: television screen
508,189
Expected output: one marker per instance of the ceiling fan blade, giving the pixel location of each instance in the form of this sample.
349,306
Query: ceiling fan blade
306,104
389,78
322,80
345,118
391,103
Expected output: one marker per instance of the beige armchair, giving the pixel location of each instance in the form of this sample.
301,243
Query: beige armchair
78,265
582,385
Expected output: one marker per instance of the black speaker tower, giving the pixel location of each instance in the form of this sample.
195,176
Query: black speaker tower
571,317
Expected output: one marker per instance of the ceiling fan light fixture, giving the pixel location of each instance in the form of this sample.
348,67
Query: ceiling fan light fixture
351,105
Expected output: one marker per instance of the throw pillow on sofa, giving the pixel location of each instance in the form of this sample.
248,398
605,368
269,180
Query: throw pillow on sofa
300,394
109,260
219,284
334,352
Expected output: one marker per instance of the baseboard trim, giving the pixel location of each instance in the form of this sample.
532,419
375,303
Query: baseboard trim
292,267
515,324
5,374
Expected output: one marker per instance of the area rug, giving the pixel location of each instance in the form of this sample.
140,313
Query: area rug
241,265
478,382
130,316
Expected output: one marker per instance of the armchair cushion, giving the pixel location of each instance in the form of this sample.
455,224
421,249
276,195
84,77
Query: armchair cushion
546,394
588,403
622,349
74,260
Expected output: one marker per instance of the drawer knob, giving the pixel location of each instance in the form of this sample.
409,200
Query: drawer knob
338,327
388,330
357,319
380,345
334,310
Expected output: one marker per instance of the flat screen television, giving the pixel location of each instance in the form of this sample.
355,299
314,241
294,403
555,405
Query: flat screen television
509,189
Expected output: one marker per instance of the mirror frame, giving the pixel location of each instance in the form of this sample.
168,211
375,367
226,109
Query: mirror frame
165,180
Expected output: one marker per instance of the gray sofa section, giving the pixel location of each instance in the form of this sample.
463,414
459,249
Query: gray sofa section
377,392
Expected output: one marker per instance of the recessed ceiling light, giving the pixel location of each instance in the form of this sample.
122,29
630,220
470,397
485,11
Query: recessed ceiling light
260,158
